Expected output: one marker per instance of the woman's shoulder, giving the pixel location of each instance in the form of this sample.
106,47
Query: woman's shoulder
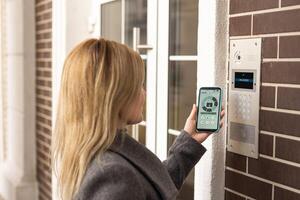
108,175
109,163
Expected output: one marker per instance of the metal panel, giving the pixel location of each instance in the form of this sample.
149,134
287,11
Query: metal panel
244,96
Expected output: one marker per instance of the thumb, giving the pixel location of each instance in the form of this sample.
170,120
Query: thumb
193,113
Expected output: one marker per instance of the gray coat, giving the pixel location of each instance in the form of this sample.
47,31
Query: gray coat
129,171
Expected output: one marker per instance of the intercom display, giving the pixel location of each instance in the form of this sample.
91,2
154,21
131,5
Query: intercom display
244,80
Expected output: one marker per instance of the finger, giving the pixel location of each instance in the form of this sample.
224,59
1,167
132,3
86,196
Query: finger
222,113
193,112
221,124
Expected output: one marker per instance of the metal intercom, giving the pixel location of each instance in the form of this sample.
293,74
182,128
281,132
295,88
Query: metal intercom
244,96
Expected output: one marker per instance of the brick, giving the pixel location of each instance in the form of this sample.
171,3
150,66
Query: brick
281,72
266,144
290,2
240,25
43,7
288,98
43,111
289,47
276,22
44,26
282,194
239,6
275,171
46,35
43,120
43,17
44,83
43,73
267,96
236,161
232,196
44,54
43,45
246,185
278,122
44,64
269,47
288,149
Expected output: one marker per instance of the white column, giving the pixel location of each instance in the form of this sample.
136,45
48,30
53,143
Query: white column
18,172
65,37
58,55
212,65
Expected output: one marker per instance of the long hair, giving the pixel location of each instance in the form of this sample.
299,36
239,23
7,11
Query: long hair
99,78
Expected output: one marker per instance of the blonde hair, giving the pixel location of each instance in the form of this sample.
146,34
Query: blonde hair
99,79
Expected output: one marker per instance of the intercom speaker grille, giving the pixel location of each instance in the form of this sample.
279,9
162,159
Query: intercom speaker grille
242,132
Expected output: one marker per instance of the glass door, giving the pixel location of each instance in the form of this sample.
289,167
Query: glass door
165,34
178,74
126,21
182,73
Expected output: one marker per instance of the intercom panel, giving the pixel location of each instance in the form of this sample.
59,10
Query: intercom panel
244,96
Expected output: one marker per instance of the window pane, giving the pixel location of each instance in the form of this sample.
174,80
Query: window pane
142,134
182,92
111,23
187,189
183,27
135,16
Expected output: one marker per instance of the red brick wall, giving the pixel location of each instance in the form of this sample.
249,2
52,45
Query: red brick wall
276,174
43,95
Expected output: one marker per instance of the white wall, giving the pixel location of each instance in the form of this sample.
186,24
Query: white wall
77,18
18,171
70,26
212,65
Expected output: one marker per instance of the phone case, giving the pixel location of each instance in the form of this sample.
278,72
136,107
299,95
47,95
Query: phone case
219,109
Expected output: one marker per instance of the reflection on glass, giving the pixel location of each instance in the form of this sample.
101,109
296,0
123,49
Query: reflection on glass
183,27
187,189
141,132
182,92
135,16
111,20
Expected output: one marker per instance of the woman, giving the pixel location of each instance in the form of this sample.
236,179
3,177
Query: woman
102,92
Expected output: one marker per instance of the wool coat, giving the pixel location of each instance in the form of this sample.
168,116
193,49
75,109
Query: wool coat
129,171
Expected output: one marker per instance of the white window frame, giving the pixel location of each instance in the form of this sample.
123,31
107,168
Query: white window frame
213,16
149,58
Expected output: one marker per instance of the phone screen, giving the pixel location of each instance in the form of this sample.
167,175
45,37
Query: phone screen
208,109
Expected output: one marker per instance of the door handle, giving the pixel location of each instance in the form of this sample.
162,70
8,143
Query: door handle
136,41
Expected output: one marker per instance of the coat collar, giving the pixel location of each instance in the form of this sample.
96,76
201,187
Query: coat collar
146,162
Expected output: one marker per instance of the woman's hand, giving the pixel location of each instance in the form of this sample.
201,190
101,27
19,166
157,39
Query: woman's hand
190,125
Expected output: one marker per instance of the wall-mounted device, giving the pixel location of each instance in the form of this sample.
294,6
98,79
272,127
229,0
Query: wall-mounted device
244,96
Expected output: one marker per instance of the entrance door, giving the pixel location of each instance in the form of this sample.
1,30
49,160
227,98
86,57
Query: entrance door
165,34
125,21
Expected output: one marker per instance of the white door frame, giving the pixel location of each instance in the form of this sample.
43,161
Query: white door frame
150,60
211,59
213,16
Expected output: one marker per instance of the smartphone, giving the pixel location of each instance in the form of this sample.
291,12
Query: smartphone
209,109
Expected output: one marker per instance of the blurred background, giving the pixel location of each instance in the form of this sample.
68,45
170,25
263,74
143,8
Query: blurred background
184,44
